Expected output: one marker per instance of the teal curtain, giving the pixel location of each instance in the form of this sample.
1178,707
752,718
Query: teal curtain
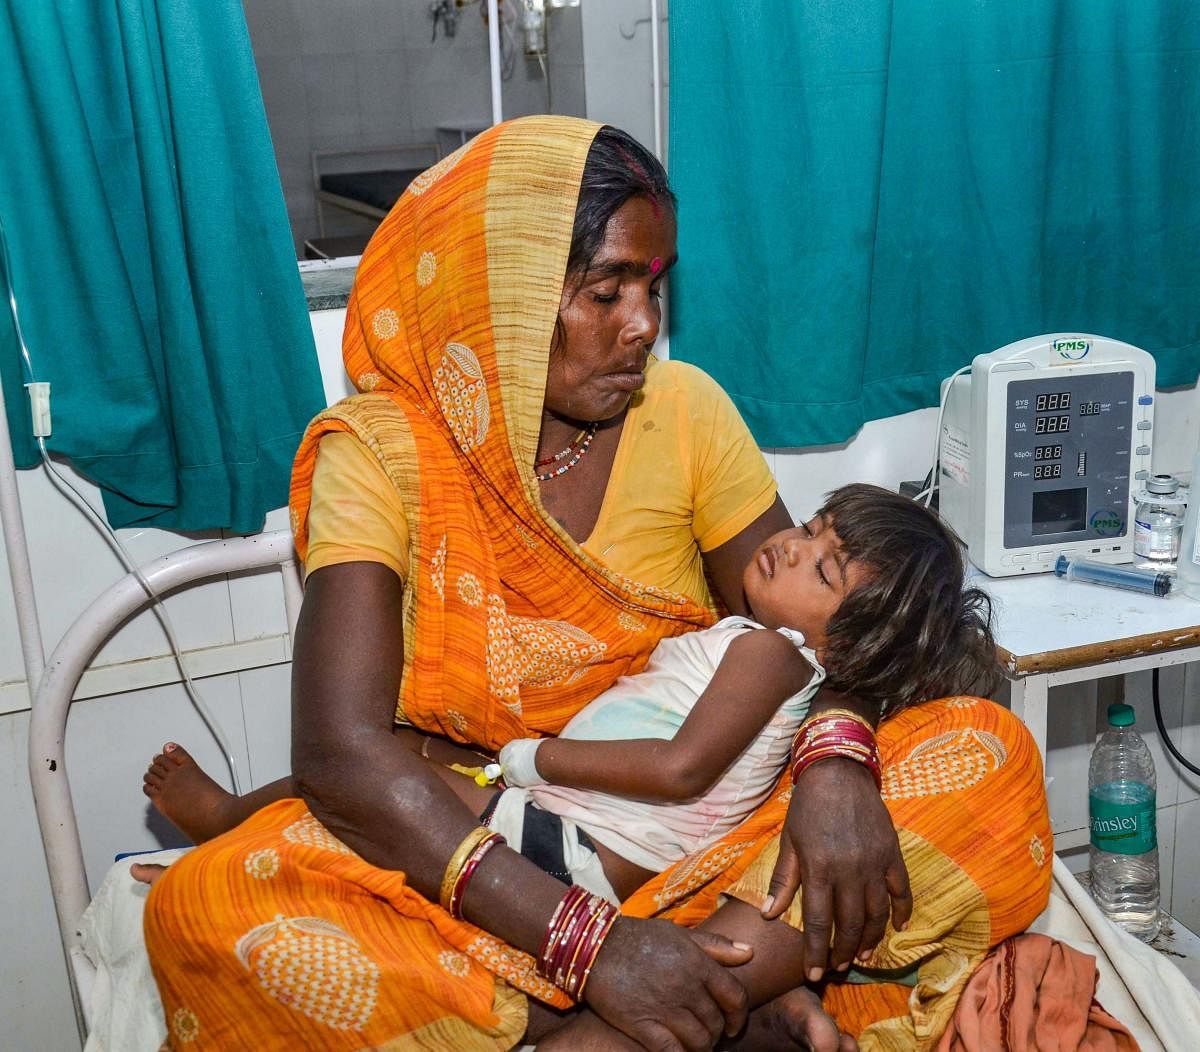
872,193
151,258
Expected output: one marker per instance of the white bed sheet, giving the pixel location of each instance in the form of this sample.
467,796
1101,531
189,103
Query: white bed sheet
1138,985
126,1014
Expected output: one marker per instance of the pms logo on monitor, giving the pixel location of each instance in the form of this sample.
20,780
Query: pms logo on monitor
1107,523
1072,350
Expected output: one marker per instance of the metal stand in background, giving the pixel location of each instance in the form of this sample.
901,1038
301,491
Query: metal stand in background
494,59
656,81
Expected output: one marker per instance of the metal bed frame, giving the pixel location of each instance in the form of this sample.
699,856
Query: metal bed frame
428,153
52,704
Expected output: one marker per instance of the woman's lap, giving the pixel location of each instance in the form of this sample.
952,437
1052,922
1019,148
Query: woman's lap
277,935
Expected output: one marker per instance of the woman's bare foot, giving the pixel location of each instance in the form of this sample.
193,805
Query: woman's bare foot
146,872
187,796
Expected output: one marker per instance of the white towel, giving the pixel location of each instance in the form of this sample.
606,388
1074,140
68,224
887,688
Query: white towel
126,1013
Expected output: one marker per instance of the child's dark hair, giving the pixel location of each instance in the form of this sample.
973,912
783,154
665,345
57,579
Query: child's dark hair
911,632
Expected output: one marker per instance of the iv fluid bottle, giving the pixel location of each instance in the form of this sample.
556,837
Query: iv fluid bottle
1158,522
1124,845
1187,570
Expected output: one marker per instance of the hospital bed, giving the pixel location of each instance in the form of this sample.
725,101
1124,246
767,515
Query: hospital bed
56,811
117,1006
365,183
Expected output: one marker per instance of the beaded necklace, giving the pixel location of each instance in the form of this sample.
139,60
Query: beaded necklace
588,434
562,452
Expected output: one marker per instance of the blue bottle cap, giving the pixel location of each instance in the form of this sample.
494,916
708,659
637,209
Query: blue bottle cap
1120,715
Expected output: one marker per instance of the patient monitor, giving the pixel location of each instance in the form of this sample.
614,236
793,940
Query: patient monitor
1042,449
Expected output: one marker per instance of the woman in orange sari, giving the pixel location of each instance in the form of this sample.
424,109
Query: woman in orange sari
473,574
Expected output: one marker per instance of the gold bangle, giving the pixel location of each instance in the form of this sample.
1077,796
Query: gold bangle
459,859
845,713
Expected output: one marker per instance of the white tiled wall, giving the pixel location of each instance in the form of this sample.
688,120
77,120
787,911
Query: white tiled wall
617,57
356,74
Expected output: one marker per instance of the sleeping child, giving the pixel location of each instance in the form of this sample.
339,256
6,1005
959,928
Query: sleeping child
867,596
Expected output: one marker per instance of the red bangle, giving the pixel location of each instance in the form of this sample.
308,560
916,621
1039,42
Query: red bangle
806,762
822,726
585,951
602,934
828,735
468,871
560,925
559,930
580,924
568,945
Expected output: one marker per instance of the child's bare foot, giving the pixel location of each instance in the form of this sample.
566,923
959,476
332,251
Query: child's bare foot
794,1020
581,1032
187,796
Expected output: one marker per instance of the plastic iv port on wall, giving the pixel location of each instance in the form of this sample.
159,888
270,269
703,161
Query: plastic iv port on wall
39,408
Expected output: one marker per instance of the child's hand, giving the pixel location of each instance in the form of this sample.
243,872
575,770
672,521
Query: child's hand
518,760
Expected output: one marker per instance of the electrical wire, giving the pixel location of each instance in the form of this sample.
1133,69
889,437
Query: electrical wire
61,483
75,497
934,485
1162,727
12,302
542,58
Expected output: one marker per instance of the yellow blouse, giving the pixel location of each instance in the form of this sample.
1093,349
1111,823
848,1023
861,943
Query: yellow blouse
687,477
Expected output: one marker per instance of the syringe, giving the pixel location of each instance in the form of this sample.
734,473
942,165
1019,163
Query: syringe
1152,582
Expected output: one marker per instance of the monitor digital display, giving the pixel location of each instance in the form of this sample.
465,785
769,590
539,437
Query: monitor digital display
1052,402
1059,511
1051,425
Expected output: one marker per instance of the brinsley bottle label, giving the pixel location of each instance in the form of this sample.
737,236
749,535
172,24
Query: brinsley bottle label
1123,828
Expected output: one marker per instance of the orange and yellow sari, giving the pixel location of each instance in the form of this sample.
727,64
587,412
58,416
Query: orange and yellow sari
278,936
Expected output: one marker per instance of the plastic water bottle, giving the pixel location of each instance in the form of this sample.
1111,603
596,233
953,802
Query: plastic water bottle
1124,844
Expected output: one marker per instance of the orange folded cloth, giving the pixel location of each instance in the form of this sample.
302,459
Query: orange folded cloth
1034,993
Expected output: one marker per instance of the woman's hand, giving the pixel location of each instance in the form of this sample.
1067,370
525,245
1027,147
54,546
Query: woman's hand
667,987
840,844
